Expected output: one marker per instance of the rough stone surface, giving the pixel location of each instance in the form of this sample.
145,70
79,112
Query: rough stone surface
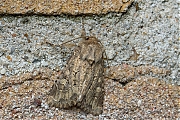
24,97
127,72
147,35
56,7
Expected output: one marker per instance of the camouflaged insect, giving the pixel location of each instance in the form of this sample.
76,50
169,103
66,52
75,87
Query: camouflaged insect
81,83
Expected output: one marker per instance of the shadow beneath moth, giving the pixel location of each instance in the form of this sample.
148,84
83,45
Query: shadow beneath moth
81,83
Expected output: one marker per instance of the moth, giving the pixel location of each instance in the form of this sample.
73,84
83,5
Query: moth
81,83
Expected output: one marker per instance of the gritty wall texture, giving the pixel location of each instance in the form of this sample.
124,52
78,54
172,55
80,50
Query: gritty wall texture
144,40
56,7
148,34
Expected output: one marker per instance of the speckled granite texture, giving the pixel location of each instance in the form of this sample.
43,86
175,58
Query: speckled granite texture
147,34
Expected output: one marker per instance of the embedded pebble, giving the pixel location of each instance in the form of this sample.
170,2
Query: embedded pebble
44,63
3,71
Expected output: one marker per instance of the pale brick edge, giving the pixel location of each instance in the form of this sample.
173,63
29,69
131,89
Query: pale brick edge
57,7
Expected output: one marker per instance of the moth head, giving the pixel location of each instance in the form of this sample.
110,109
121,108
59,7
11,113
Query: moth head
87,38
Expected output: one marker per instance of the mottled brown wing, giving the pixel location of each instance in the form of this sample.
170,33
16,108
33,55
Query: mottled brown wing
81,83
94,93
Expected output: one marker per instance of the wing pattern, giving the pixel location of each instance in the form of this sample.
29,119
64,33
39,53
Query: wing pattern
81,83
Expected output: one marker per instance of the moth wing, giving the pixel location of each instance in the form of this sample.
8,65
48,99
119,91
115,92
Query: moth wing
61,95
64,92
92,101
82,82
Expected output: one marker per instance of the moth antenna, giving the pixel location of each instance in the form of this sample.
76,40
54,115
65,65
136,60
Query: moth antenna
69,41
83,32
